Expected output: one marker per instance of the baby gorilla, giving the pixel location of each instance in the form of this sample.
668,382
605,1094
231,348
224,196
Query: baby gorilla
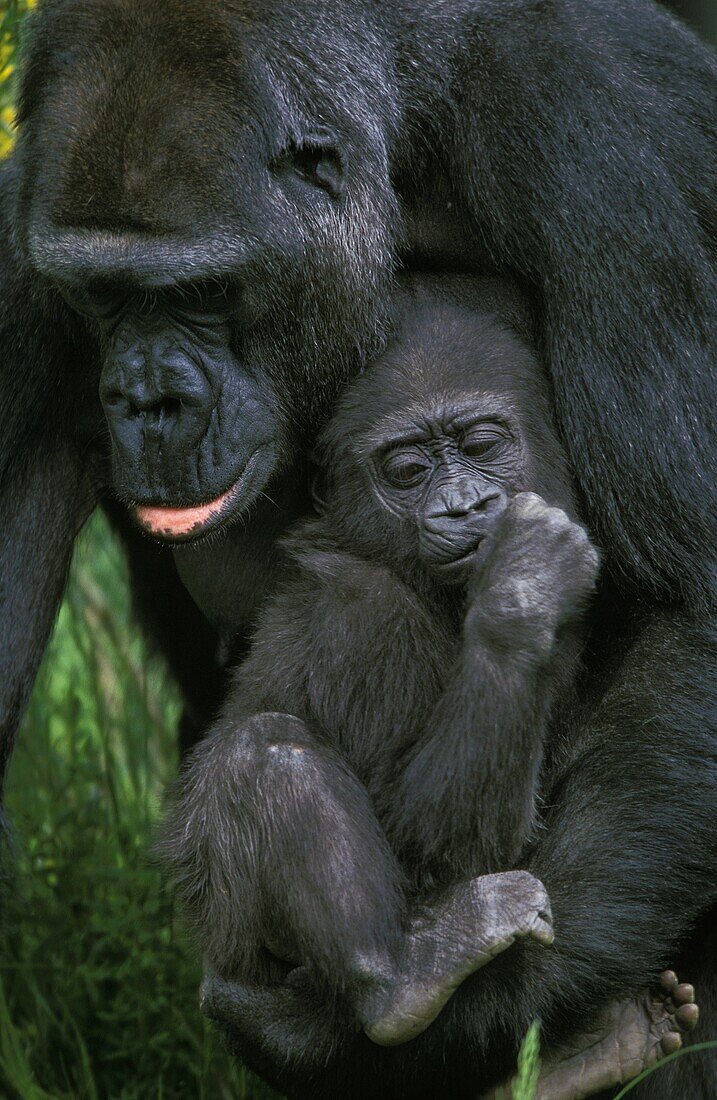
383,741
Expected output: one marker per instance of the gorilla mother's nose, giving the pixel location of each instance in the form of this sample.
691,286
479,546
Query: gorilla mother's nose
152,390
160,385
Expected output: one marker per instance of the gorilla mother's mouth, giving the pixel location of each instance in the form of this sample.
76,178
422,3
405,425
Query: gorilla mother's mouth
193,522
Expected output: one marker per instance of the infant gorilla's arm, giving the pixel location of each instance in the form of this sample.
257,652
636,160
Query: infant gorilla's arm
274,839
464,797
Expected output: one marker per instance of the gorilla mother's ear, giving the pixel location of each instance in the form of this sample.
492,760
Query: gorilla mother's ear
317,160
318,484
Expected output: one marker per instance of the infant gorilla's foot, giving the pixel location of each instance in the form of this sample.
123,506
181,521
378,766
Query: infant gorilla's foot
628,1037
472,924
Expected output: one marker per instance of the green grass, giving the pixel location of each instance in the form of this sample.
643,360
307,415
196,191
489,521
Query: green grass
98,988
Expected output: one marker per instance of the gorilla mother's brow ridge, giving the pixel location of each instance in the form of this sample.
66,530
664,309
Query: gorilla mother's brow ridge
75,257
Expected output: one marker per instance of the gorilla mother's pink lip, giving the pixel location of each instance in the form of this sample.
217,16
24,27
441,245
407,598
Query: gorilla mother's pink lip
180,523
186,524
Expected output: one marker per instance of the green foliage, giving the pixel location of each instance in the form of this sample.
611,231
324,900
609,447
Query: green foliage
12,12
98,988
526,1081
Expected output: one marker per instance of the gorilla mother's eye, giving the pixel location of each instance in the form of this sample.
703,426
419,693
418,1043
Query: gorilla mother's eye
317,161
483,440
405,469
100,301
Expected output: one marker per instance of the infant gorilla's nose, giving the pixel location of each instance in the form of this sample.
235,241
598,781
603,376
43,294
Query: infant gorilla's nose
464,510
458,513
457,518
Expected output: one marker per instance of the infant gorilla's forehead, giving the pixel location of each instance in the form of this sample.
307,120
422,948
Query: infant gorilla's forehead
445,363
444,413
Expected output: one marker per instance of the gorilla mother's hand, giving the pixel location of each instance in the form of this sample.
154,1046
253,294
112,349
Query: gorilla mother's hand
285,1023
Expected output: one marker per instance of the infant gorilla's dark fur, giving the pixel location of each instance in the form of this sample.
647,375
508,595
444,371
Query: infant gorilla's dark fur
393,707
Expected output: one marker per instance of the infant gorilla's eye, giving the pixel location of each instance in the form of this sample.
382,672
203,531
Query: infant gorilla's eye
404,471
481,442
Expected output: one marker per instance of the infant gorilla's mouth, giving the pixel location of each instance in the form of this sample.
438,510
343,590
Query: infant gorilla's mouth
459,565
195,521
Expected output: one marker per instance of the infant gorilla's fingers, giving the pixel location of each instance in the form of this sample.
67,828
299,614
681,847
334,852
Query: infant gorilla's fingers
527,505
540,567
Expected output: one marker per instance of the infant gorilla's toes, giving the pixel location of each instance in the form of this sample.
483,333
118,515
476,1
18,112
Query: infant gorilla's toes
472,924
285,1022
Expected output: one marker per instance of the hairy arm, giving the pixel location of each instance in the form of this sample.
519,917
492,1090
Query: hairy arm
464,800
591,170
48,480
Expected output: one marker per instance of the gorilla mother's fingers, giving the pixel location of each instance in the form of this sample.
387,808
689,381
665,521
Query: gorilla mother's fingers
625,1038
284,1023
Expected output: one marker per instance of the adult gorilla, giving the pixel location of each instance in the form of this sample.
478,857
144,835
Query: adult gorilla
201,223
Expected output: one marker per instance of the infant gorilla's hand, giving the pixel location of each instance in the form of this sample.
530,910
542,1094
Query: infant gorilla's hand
532,575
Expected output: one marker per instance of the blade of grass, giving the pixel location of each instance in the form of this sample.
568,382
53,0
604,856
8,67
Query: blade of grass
695,1048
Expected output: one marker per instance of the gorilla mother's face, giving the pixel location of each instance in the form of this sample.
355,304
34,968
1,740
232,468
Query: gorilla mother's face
225,235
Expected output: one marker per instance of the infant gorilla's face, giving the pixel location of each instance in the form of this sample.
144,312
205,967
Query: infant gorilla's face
451,474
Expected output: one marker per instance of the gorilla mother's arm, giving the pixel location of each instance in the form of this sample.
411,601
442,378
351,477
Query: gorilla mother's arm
628,869
591,171
48,484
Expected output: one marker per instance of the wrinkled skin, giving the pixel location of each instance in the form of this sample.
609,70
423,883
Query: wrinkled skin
171,149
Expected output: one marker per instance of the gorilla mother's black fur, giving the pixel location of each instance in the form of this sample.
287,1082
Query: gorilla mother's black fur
205,209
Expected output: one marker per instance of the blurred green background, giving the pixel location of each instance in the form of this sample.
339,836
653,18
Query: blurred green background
98,988
97,985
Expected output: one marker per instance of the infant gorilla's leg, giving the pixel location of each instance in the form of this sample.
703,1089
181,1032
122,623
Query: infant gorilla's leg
277,849
312,857
627,1037
333,894
474,922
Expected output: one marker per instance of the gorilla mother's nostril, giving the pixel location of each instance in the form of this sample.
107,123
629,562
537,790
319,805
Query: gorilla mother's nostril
160,408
